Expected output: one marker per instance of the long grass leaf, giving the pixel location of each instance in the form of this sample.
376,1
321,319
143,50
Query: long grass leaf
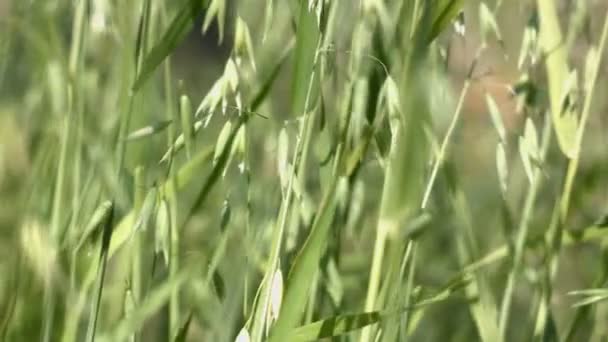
175,33
305,264
564,119
103,259
444,14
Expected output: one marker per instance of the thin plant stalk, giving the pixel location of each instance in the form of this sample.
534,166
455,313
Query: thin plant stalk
103,260
286,205
174,245
442,150
522,233
75,63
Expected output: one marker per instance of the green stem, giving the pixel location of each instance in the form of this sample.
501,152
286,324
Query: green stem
301,145
522,233
442,151
174,248
75,64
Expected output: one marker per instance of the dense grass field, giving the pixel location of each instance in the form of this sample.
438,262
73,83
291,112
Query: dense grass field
299,170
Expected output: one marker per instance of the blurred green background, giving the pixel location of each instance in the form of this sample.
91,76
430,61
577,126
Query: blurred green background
229,259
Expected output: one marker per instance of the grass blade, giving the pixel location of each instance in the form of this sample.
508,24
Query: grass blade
183,330
103,259
564,119
304,265
175,33
444,16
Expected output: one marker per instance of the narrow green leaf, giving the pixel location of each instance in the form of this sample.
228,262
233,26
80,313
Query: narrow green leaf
305,264
591,299
142,29
444,12
267,84
101,271
589,292
183,330
564,123
175,33
306,45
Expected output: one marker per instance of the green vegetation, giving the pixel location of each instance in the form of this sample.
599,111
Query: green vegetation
231,170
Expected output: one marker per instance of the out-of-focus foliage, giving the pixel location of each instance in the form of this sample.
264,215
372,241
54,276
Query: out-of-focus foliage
231,170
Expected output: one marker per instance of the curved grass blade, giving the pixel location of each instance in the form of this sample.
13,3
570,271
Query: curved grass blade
443,17
564,121
177,31
305,264
183,331
307,41
341,324
263,92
